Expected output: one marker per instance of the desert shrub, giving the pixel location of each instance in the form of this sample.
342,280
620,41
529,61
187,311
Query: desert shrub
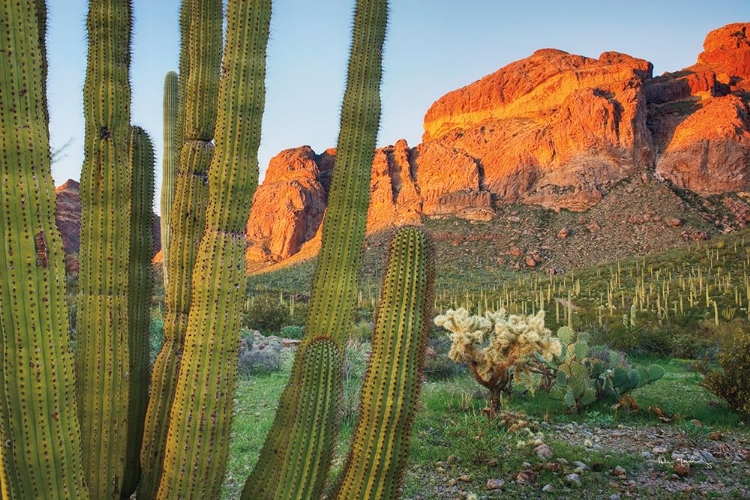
498,347
356,355
292,332
266,314
258,359
361,330
155,337
437,364
729,379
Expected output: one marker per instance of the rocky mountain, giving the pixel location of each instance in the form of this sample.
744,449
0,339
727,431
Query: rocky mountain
555,131
68,219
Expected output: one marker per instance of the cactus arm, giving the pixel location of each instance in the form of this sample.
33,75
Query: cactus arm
335,284
169,165
200,28
200,418
103,357
141,153
390,392
40,454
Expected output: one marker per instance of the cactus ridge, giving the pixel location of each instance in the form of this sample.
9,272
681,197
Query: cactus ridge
390,391
200,418
335,283
169,164
40,454
141,288
103,355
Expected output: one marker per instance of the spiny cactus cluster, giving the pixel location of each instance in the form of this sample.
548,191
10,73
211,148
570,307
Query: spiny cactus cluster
498,347
186,428
585,374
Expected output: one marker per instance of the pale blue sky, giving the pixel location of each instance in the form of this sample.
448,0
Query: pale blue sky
433,46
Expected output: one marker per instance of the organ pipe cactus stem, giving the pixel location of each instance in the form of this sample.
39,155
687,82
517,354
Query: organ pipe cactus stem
390,392
200,69
40,454
334,289
169,165
201,413
139,299
103,351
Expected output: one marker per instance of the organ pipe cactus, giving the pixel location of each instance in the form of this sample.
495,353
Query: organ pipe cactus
169,165
390,392
201,413
200,60
335,283
141,153
40,454
103,351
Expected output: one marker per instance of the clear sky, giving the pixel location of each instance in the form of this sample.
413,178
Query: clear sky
432,47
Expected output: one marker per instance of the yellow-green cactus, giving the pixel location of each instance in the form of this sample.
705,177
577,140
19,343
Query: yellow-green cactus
40,456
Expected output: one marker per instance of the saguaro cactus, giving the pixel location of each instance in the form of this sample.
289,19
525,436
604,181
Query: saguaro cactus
40,454
103,351
169,165
335,284
199,424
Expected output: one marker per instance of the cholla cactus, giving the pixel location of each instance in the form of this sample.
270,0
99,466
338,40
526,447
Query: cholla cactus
498,347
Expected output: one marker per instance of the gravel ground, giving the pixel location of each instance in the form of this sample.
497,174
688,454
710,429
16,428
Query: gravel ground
662,462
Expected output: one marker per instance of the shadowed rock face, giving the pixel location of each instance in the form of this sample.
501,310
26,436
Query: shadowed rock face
555,129
68,219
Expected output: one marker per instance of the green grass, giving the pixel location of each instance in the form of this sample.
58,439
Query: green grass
452,437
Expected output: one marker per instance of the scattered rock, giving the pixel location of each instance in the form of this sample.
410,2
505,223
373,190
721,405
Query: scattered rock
573,479
563,233
544,452
593,227
619,471
674,222
682,468
530,261
516,251
494,484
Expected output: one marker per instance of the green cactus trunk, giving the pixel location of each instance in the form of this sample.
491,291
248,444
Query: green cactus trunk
200,62
169,166
39,429
201,414
103,350
390,392
139,305
335,284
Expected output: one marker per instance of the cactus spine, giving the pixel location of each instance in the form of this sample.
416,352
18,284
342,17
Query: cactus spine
169,165
103,354
200,60
141,153
200,418
335,284
40,455
390,392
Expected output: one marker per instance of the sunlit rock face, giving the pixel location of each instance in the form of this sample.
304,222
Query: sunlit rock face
554,129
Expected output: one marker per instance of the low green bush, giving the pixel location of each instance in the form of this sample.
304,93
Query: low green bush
729,380
266,314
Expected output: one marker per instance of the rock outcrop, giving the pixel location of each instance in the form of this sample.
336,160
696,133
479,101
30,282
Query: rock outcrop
556,130
68,219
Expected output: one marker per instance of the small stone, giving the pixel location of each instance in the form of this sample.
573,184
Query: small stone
530,261
452,459
544,452
548,488
563,233
614,496
674,222
526,465
562,461
573,479
492,462
580,465
716,436
525,476
451,482
516,251
494,484
647,455
466,478
619,471
593,227
659,450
